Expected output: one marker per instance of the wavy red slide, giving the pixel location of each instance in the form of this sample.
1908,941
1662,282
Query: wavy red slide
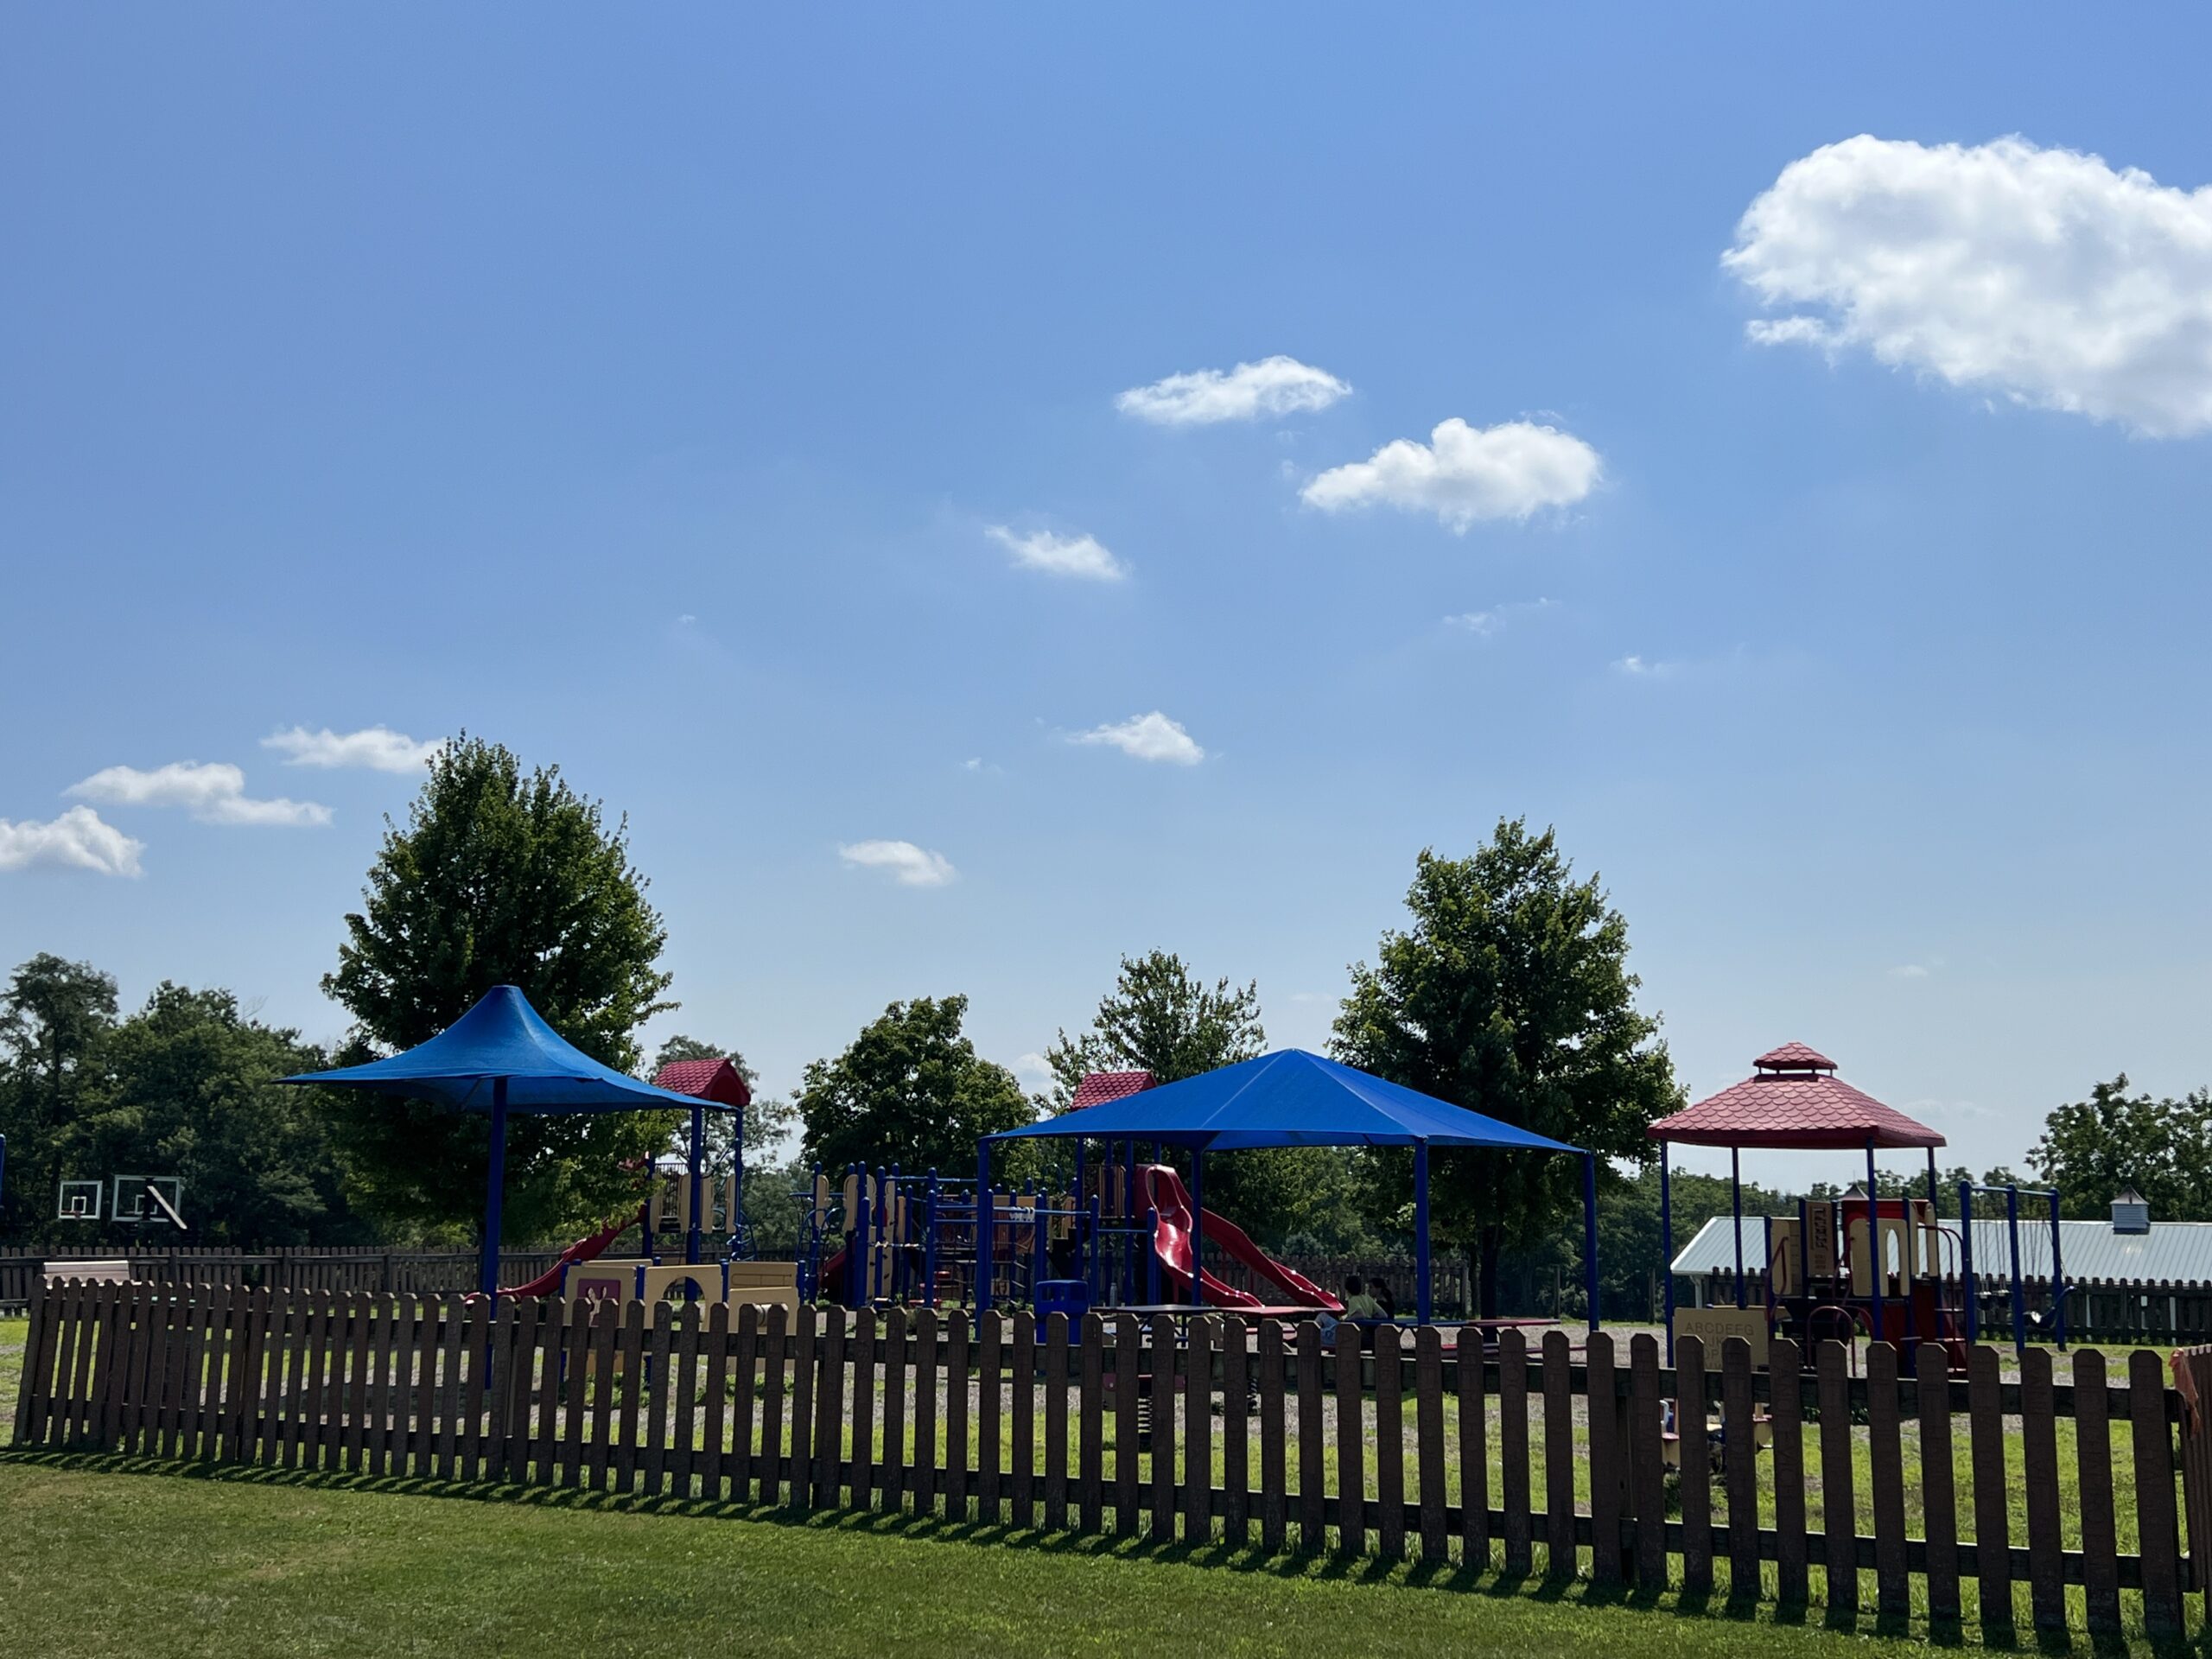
1164,1191
583,1250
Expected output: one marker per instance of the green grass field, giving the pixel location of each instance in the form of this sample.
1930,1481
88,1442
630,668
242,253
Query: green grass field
98,1562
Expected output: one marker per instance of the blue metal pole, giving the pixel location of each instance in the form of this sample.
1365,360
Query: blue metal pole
983,1218
1736,1211
1966,1261
929,1242
1874,1237
1197,1228
1152,1258
2057,1277
1666,1245
495,1191
1589,1233
891,1195
1094,1266
1423,1311
2019,1293
698,1183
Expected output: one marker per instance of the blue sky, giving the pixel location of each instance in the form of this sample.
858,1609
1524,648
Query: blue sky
673,400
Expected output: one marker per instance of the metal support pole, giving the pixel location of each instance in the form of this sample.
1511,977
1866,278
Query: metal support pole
1874,1237
2057,1278
1424,1311
853,1291
929,1240
1667,1245
2020,1292
495,1191
1966,1262
1152,1258
984,1216
1736,1211
1589,1233
698,1183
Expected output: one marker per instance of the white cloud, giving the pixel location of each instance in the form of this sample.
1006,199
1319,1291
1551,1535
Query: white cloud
1465,473
377,747
2044,275
1639,668
1147,737
1035,1065
213,793
914,866
1483,624
1274,386
1909,970
78,839
1062,555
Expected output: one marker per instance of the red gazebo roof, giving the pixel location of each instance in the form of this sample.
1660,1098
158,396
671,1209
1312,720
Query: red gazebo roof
1794,1101
716,1080
1098,1086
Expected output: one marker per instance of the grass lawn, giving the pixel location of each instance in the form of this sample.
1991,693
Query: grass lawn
99,1561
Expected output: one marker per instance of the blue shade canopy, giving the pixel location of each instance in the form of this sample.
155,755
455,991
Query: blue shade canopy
504,1037
1289,1098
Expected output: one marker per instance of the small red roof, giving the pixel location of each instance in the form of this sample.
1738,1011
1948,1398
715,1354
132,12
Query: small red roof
1804,1107
1098,1086
1794,1057
716,1080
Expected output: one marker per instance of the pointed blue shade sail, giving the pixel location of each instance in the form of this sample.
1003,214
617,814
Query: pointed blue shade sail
1288,1098
504,1037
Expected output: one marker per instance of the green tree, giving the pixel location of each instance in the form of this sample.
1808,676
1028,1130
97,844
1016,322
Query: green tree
2162,1147
769,1121
190,1091
1509,995
54,1017
499,876
1160,1017
911,1090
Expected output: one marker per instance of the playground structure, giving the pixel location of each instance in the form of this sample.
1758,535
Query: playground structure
1124,1240
1888,1269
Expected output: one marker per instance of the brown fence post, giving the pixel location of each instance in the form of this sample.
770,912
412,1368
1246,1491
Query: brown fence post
1090,1425
1693,1456
1648,1462
2039,1467
1312,1466
1786,1413
2154,1495
1939,1502
1021,1425
1605,1460
1992,1537
1428,1443
1559,1459
1275,1477
1513,1451
2192,1370
1885,1471
1740,1457
1474,1455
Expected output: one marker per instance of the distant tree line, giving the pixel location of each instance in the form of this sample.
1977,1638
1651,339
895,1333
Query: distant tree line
1506,990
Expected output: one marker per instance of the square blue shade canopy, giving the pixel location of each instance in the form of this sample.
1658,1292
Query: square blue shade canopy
1288,1098
503,1037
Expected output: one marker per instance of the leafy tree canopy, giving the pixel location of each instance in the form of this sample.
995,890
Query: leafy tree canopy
1509,995
911,1090
53,1015
2162,1147
1160,1017
499,876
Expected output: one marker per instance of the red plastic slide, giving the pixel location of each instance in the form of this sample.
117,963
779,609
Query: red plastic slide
583,1250
1163,1191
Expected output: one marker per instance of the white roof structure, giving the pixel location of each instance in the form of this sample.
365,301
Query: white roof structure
2172,1252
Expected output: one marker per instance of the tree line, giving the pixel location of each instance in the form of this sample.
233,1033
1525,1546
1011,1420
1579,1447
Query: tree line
1505,988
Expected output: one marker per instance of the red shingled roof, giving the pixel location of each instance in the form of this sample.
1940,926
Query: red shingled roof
1098,1086
1794,1057
716,1080
1802,1109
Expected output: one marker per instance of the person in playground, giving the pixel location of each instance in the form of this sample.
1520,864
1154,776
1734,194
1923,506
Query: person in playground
1358,1304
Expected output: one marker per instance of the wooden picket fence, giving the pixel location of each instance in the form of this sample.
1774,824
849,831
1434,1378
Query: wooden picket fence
1211,1431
